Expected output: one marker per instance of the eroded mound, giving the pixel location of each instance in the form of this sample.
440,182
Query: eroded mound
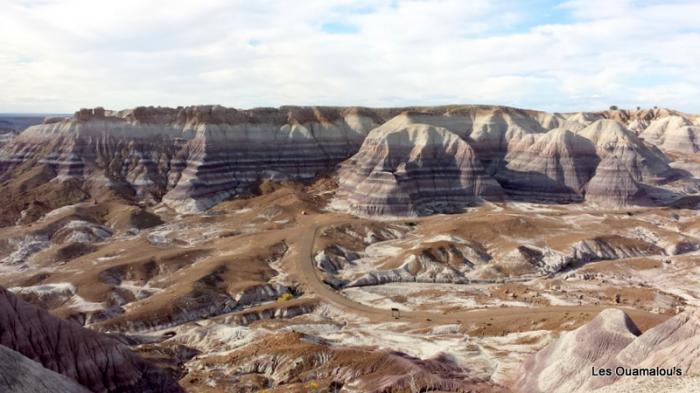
404,168
97,362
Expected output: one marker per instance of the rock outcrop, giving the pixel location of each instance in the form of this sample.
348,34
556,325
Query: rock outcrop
95,361
408,168
642,162
191,157
612,340
225,159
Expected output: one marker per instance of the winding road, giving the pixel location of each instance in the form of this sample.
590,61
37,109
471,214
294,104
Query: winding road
506,316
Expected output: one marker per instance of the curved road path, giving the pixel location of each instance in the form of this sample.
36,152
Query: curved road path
310,274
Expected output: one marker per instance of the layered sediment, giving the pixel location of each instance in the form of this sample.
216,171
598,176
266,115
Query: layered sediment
674,134
416,161
556,167
611,138
191,157
93,360
405,167
614,184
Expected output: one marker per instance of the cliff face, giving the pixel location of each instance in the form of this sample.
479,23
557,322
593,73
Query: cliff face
94,361
226,159
431,159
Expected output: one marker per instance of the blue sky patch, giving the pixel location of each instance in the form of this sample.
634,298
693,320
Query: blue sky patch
339,28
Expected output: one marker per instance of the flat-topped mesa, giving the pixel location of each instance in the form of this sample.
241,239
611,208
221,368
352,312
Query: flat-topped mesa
193,157
217,114
404,168
226,159
222,151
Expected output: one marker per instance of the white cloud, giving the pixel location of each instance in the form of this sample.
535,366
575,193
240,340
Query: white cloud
62,55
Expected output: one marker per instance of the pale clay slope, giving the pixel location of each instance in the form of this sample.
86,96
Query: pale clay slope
529,161
611,340
559,163
613,184
674,134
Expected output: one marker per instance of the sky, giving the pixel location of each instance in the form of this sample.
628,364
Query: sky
59,56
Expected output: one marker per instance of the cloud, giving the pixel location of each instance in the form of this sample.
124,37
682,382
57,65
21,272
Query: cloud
574,55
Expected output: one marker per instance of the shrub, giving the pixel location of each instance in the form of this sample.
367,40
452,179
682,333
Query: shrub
285,297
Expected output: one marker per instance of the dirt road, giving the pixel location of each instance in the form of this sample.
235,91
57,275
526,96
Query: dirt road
511,318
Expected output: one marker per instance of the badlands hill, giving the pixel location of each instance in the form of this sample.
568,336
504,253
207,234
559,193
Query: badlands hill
401,161
408,167
79,356
612,340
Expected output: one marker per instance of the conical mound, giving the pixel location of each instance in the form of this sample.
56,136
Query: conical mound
674,134
611,138
555,167
614,185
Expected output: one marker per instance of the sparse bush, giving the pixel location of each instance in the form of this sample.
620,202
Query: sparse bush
313,386
613,107
285,297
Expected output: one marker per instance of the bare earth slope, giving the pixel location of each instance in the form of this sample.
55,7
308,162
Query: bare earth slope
99,363
19,374
611,340
404,167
